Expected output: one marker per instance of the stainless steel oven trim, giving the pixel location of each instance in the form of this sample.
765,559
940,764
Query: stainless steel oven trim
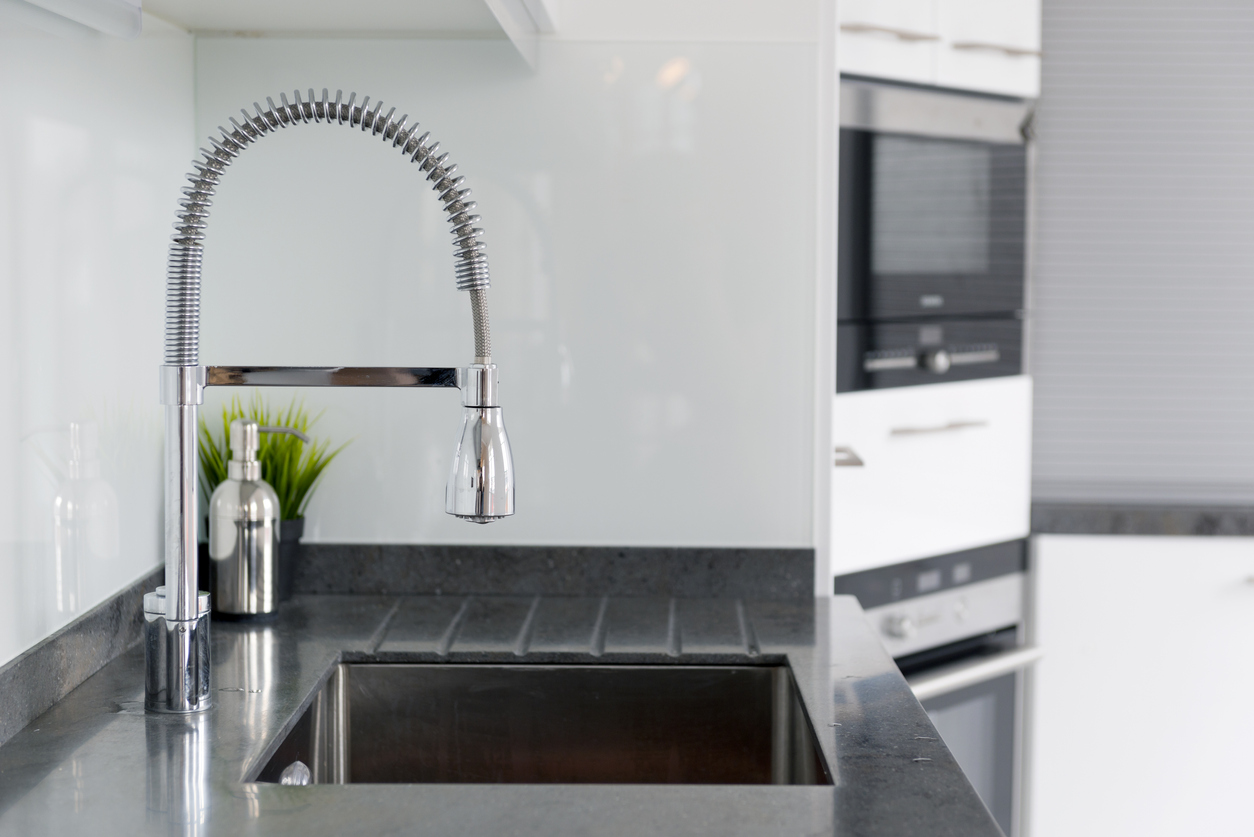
886,108
935,619
950,679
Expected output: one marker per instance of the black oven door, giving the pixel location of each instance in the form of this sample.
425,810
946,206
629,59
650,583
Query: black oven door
930,226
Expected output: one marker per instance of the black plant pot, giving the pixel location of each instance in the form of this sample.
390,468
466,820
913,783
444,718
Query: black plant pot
203,565
290,532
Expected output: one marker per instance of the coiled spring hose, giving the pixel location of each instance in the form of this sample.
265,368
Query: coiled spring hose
182,325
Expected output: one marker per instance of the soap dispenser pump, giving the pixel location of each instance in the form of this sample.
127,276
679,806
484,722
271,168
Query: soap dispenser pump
244,530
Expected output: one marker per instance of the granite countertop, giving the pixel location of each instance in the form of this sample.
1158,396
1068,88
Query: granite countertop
97,763
1107,518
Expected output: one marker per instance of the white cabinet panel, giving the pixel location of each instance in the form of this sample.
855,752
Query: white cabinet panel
1141,712
945,467
990,45
888,39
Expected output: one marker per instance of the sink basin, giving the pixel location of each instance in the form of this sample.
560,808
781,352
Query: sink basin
403,723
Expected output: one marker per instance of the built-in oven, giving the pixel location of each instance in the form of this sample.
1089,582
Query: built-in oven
955,624
932,236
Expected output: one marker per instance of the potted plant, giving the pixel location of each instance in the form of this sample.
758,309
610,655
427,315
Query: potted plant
291,467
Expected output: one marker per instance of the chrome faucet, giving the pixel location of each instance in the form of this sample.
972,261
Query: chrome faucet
481,482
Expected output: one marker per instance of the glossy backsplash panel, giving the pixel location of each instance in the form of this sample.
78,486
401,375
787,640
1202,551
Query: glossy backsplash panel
649,213
649,210
94,140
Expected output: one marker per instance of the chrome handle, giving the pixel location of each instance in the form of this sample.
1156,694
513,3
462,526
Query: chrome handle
940,428
331,376
991,355
885,362
938,361
957,677
846,458
981,46
900,34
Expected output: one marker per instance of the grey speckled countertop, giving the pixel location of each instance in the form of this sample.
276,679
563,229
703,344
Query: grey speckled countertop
97,764
1056,518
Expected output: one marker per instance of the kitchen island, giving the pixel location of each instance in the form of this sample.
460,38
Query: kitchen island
97,763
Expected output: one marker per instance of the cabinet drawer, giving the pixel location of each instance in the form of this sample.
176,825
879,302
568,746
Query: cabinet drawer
943,467
990,45
893,39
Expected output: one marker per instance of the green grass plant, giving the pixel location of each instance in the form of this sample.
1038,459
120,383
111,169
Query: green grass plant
293,469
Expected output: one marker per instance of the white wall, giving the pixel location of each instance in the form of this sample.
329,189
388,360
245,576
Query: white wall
1142,301
649,205
651,195
93,143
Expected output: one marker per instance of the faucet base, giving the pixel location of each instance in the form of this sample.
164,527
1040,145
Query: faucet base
176,658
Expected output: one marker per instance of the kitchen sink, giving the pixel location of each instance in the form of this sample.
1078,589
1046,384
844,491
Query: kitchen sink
611,724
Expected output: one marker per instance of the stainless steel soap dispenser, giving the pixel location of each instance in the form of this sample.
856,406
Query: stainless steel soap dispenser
244,530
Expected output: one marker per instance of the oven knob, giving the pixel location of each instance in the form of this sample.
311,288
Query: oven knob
937,360
898,626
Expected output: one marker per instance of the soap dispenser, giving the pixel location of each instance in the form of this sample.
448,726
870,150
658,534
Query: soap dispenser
244,530
85,520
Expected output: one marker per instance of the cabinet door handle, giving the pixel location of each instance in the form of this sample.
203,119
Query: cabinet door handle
949,680
900,34
846,458
980,46
939,428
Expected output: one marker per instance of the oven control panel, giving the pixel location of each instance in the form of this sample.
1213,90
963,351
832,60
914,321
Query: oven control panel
935,619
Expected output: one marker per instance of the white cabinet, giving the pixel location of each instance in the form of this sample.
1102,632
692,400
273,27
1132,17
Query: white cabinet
888,39
991,46
943,467
1141,718
519,20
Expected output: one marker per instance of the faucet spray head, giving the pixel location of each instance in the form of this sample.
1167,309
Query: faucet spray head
481,484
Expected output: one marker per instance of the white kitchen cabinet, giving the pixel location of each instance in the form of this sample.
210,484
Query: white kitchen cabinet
990,45
893,39
1141,719
943,467
519,20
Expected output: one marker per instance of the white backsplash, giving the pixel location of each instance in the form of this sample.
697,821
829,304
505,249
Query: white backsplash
649,215
94,142
649,206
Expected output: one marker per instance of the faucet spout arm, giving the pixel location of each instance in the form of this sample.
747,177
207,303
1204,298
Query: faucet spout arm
331,376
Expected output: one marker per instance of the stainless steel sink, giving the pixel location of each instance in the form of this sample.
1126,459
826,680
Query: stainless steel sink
707,725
